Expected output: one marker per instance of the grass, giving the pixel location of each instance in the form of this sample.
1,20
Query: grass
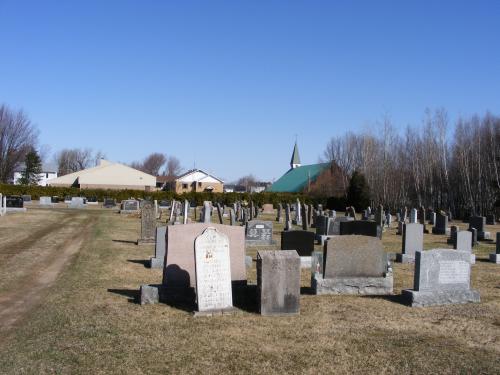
89,322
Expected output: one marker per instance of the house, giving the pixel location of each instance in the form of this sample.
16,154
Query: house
313,178
197,180
48,172
107,175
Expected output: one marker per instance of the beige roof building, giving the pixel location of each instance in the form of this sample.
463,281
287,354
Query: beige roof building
107,175
197,180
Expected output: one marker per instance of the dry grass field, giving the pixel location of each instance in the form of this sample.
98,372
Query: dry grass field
68,305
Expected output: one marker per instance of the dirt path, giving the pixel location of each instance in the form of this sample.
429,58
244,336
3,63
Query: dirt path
28,292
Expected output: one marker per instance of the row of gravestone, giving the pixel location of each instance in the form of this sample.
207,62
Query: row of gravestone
349,264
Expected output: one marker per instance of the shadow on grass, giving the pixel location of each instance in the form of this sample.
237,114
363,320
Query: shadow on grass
126,241
396,298
132,294
306,290
245,298
144,262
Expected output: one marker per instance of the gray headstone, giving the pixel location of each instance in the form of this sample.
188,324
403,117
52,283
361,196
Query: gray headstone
148,223
259,233
278,282
354,256
206,212
413,241
361,227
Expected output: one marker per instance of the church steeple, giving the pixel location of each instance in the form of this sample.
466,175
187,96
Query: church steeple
295,162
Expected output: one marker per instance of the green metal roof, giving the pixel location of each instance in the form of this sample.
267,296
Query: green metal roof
295,156
296,180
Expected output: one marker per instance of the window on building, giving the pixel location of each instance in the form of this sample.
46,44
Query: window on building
199,184
184,186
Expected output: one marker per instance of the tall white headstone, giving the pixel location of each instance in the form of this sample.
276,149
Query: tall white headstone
213,272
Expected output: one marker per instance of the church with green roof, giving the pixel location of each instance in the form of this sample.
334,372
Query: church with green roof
299,177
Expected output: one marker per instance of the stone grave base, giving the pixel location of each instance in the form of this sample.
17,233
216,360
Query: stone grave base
405,258
483,236
156,262
251,243
436,298
141,241
353,285
305,262
228,311
495,258
15,209
93,203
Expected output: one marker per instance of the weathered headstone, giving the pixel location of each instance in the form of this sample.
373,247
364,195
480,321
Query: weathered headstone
206,215
298,213
305,217
148,223
159,259
219,213
259,233
354,265
279,219
413,216
413,241
268,209
213,272
288,220
463,242
442,277
185,213
108,203
232,217
278,282
77,202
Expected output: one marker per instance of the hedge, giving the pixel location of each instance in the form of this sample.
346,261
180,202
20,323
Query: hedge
224,198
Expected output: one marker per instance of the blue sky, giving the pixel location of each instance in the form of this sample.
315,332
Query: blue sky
227,85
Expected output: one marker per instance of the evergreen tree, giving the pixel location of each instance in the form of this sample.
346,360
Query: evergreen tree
33,168
358,192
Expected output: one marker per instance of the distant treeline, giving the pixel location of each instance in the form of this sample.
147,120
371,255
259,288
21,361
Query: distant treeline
425,166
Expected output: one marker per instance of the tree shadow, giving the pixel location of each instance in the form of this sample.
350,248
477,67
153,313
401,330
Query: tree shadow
144,262
131,294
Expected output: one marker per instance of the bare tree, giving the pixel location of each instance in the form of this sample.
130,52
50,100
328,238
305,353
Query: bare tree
151,164
247,181
173,168
73,160
17,136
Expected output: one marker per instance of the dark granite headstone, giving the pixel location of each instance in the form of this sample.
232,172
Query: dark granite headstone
299,240
360,227
14,201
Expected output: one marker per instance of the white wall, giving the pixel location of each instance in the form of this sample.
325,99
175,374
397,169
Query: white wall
41,182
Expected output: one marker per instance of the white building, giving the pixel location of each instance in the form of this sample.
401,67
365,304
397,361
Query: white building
48,172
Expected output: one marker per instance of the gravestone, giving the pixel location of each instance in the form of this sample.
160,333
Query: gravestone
413,241
432,220
413,216
441,226
298,213
148,223
305,217
474,236
259,233
268,209
213,272
77,202
206,214
179,255
45,201
453,233
299,240
379,216
219,213
479,222
26,198
490,219
495,257
310,215
109,203
442,277
388,219
278,282
279,219
288,220
353,265
463,242
129,206
159,259
185,212
13,203
232,217
361,227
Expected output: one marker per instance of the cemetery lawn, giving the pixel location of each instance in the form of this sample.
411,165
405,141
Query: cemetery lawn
84,318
